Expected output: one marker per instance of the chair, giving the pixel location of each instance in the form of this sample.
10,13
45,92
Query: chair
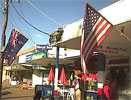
70,95
60,91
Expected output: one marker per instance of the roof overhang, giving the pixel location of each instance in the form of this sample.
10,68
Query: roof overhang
114,38
19,68
47,62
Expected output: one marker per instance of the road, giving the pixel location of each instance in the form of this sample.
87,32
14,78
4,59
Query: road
16,92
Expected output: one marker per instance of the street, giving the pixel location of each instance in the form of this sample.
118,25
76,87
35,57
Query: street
16,92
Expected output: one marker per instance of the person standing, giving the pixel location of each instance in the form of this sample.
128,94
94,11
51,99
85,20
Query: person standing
77,88
114,88
106,89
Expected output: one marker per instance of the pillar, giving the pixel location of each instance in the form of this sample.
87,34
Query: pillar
56,71
101,72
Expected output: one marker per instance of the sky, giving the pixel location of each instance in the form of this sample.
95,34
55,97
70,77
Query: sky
63,12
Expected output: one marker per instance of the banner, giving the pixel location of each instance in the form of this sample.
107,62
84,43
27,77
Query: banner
113,49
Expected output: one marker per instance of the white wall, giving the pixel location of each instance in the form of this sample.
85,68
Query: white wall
52,53
71,53
22,58
36,78
118,12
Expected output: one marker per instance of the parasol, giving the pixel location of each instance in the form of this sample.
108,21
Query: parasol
92,77
51,76
63,77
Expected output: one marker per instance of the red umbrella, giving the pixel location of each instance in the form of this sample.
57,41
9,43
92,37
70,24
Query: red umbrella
93,76
63,77
51,76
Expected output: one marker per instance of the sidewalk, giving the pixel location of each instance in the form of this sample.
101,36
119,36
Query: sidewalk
16,93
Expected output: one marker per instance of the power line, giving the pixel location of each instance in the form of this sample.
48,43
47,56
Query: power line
19,28
30,25
28,22
43,13
14,21
24,23
2,9
29,36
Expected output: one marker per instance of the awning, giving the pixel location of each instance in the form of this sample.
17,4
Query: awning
48,61
16,68
119,44
115,43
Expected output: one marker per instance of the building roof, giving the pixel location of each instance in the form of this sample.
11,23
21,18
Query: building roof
32,49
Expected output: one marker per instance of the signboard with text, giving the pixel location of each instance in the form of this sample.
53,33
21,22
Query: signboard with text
36,56
42,47
113,49
39,55
37,67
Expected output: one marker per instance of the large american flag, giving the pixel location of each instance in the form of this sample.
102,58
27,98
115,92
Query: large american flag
95,29
15,43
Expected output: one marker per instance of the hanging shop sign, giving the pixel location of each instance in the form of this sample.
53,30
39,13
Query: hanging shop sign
42,47
37,67
113,49
39,55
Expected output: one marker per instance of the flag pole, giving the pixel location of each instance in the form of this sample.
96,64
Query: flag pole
5,21
121,33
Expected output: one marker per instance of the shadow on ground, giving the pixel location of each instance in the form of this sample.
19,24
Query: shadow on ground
6,93
7,98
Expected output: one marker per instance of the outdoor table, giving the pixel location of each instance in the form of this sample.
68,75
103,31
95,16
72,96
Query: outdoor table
64,90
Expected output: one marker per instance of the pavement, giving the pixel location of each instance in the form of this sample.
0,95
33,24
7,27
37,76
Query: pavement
16,92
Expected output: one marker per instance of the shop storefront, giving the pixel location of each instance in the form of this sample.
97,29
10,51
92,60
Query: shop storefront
120,68
116,44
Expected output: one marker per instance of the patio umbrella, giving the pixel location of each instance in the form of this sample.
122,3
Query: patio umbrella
92,77
51,76
63,77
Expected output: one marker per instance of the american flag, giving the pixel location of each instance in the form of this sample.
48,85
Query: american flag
15,43
95,29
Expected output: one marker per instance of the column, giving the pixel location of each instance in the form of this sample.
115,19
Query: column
56,71
101,72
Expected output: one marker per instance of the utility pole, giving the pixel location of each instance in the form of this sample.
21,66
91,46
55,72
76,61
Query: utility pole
3,40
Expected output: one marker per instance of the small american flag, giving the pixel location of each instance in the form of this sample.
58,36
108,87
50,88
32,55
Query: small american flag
15,43
95,29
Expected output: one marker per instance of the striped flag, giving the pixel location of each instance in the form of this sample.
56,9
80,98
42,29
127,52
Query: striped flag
95,29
